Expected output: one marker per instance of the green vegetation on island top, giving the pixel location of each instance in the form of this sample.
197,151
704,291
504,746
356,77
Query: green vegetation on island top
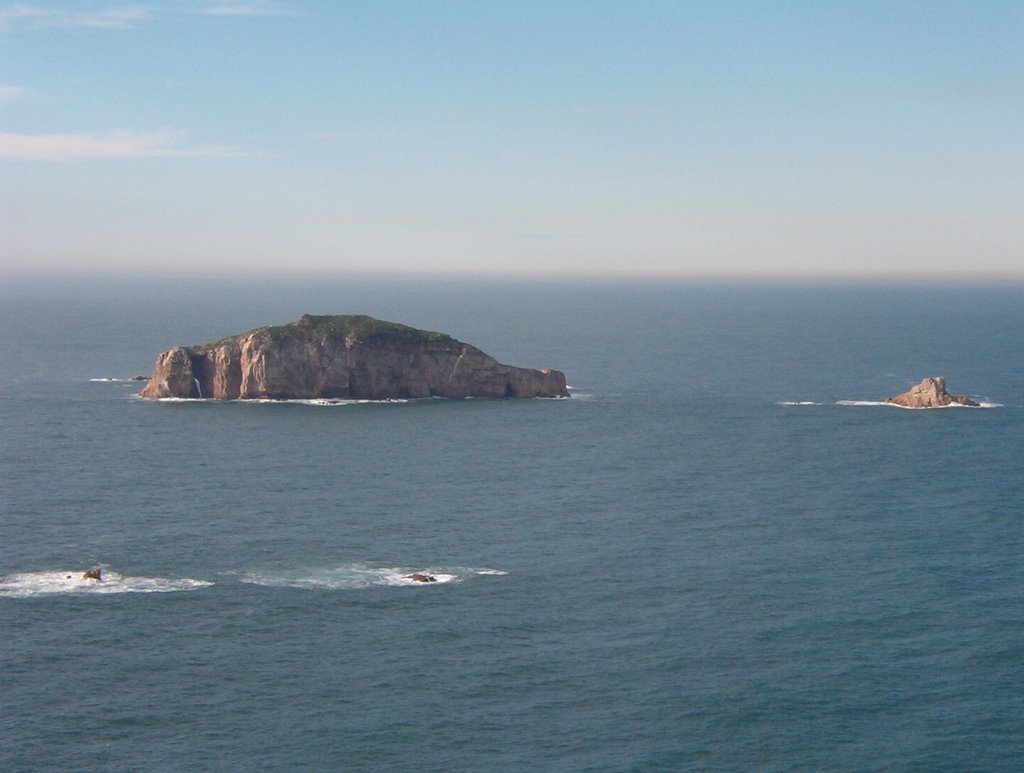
332,326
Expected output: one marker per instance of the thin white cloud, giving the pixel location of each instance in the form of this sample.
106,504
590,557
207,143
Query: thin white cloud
25,16
119,144
8,93
246,9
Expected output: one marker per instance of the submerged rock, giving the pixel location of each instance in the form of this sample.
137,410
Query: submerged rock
342,357
931,393
417,577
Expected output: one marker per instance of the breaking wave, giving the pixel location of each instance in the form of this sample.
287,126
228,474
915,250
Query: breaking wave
576,394
884,404
872,403
359,576
45,583
324,402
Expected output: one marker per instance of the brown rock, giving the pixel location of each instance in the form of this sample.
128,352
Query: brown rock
930,393
421,577
342,357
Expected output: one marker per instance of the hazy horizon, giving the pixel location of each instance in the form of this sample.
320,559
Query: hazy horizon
69,282
650,141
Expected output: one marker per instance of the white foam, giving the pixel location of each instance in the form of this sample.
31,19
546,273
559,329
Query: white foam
111,379
915,408
331,402
358,576
323,402
942,407
405,577
71,581
797,402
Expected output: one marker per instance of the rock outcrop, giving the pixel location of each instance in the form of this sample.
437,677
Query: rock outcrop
342,357
930,393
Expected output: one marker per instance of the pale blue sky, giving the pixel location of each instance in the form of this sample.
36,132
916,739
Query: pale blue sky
649,139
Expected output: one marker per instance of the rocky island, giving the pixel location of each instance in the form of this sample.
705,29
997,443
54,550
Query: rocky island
931,393
342,357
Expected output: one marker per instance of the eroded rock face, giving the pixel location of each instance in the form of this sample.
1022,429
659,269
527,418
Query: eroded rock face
342,357
930,393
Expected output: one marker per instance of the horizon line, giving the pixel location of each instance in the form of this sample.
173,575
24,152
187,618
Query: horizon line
599,277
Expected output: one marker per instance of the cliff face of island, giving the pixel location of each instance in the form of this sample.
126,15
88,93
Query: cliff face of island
342,357
930,393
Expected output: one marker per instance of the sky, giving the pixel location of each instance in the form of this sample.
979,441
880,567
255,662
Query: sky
633,139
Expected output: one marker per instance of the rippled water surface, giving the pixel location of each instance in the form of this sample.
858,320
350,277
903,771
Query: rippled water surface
722,553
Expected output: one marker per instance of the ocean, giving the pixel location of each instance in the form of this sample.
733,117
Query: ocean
722,553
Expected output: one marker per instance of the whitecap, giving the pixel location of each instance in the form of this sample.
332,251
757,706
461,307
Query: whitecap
406,577
29,584
320,401
357,576
886,404
331,401
797,402
111,379
352,577
940,407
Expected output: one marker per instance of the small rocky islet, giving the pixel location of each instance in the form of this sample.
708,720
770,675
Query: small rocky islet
931,393
342,357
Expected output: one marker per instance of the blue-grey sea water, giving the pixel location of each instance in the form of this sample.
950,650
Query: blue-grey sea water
720,554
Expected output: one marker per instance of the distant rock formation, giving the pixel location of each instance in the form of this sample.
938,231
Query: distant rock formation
342,357
92,574
417,577
930,393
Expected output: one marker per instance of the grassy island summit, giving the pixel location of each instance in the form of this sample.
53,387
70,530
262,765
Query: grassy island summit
342,357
